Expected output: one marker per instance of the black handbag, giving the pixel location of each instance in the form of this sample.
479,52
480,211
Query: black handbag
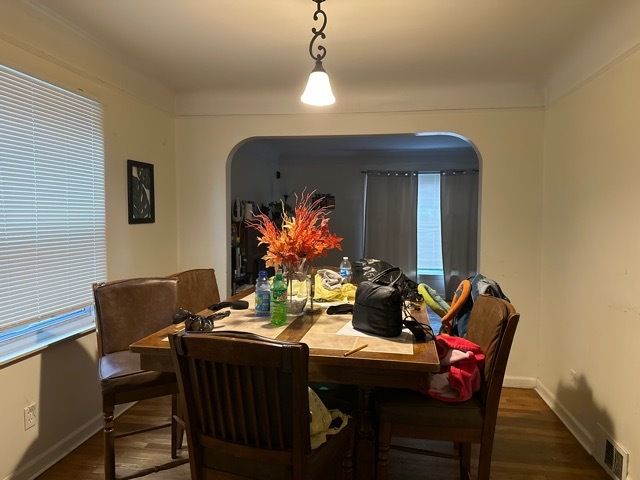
378,306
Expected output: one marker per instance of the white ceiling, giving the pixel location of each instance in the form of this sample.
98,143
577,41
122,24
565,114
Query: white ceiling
359,144
261,45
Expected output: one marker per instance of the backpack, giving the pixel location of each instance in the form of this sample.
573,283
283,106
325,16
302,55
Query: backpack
456,321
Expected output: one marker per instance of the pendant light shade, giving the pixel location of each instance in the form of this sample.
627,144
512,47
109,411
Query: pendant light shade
318,91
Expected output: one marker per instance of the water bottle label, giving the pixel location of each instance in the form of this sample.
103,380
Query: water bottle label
344,272
263,302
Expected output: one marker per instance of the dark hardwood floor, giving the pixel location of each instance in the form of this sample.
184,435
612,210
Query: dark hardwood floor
531,443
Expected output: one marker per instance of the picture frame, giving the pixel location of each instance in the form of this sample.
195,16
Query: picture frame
140,189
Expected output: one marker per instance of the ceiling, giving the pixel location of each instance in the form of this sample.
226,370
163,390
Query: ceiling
197,45
358,144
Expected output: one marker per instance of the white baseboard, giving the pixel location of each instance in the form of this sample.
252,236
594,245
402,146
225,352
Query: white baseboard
520,382
59,450
583,436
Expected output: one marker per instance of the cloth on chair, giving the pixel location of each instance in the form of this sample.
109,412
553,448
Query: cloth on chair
459,376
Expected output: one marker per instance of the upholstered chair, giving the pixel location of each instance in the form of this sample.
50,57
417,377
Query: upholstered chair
197,289
127,311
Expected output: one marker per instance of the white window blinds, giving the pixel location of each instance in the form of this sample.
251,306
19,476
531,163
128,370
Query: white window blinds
429,225
52,222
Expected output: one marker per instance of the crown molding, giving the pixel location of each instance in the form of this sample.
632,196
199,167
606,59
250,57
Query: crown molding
33,28
611,41
388,98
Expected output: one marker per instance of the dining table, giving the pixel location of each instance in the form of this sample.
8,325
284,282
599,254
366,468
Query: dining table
338,354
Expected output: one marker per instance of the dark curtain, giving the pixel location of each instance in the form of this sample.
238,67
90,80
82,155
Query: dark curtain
459,217
391,220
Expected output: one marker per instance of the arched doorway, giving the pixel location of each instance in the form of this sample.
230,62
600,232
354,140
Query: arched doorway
410,199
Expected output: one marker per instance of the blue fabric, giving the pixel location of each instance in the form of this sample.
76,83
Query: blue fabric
480,285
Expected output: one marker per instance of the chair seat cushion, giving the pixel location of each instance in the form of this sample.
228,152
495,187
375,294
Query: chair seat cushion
120,371
408,407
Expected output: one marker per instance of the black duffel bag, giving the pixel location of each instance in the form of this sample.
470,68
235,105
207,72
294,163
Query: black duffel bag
378,306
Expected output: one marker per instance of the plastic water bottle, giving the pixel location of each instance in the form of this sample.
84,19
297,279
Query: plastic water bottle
278,301
345,269
263,295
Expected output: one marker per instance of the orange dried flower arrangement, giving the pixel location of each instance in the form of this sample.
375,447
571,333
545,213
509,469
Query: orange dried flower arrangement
303,236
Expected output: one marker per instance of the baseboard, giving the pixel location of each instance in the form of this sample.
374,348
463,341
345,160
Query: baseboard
520,382
583,436
61,449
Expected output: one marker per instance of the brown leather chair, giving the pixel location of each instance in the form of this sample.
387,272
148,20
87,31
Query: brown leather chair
247,409
127,311
405,413
197,289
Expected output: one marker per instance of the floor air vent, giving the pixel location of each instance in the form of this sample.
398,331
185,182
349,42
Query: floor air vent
614,458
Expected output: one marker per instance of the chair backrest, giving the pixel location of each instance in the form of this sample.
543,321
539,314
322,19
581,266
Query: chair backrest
492,326
128,310
247,406
197,289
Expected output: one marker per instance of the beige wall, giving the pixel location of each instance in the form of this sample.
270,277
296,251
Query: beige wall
62,379
509,141
575,286
590,319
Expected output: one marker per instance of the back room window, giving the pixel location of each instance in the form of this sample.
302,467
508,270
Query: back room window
429,226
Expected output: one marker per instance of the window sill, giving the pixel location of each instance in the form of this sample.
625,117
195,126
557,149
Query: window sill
15,347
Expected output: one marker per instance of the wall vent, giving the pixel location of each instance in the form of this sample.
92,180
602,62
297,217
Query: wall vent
613,457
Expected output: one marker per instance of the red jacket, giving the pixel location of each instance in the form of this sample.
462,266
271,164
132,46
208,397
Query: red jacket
460,363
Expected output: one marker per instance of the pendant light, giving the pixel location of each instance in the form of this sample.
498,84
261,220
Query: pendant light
318,91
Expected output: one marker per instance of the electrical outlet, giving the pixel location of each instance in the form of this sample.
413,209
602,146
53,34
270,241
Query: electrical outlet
30,416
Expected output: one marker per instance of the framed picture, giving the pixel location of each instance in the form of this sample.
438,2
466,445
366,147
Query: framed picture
140,188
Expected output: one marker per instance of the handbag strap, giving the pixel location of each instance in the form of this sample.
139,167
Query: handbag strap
422,332
386,272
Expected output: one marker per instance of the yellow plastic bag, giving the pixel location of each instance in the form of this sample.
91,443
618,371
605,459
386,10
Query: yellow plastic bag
344,293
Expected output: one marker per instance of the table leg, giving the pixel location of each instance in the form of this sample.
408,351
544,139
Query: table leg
366,445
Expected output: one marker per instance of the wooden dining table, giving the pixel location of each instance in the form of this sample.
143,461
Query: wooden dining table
400,362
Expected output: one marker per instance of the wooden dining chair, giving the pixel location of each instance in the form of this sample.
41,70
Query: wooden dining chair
408,414
127,311
247,410
197,289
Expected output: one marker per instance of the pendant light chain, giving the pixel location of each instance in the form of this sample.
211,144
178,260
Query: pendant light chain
318,33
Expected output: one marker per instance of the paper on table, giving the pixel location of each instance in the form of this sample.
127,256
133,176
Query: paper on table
405,337
335,332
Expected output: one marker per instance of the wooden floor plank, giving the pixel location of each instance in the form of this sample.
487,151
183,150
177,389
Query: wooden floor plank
531,443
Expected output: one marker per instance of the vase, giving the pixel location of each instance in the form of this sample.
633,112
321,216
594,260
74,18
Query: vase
298,284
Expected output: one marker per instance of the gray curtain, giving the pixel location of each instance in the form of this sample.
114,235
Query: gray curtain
391,220
459,217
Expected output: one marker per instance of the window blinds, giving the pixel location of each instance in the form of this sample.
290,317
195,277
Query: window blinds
429,225
52,220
